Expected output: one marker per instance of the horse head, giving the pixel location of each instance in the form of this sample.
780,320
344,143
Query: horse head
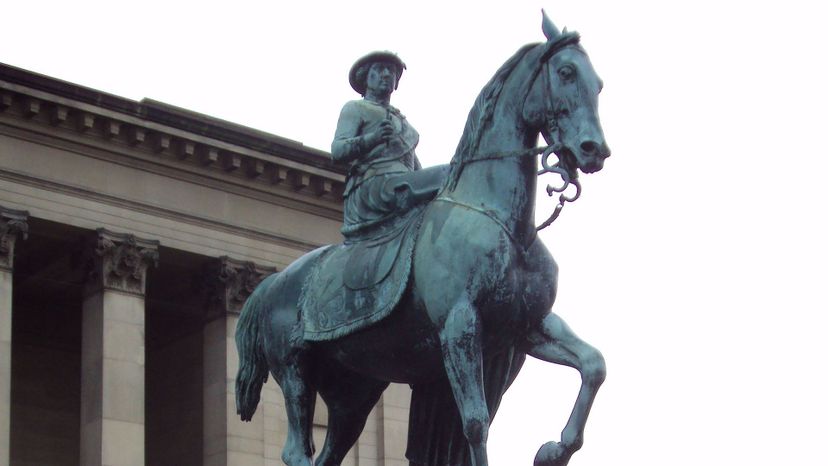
562,102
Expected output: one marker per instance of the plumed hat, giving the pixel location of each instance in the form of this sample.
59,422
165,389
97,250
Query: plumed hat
373,57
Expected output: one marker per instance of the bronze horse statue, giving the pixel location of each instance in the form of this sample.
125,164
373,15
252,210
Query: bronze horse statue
480,292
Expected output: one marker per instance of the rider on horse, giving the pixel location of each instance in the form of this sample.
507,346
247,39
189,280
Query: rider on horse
385,179
456,316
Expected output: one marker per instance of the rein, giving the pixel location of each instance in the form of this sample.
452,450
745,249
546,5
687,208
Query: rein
486,213
568,174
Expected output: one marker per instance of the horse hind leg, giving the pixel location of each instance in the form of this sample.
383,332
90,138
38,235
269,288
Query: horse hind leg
300,400
555,342
349,398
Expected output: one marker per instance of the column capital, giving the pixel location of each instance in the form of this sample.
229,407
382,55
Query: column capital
13,223
229,282
119,261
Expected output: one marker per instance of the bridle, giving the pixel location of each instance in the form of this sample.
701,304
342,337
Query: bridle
567,172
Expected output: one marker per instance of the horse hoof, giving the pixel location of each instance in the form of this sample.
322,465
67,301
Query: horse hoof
552,454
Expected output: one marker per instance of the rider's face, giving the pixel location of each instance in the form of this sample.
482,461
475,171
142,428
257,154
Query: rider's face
382,79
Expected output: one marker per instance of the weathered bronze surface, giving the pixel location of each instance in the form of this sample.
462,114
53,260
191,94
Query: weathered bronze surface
377,142
456,315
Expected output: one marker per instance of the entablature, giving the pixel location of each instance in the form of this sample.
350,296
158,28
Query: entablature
171,141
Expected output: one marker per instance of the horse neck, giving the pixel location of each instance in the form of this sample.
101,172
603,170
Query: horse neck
503,187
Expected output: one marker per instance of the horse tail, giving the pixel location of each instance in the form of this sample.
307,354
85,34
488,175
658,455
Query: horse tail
252,364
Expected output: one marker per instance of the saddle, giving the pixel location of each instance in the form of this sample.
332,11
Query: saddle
356,284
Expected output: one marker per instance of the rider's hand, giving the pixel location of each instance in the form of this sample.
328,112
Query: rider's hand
382,134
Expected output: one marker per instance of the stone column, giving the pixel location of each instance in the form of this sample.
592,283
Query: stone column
369,448
393,424
228,440
12,224
112,359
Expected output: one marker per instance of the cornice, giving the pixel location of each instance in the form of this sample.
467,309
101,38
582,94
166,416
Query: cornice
317,205
173,139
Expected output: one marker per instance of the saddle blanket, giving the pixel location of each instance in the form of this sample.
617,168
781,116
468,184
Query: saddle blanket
354,285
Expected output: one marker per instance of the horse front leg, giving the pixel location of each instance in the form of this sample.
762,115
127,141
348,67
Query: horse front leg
462,348
555,342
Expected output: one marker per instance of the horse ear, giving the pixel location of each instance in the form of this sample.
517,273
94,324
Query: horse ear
549,29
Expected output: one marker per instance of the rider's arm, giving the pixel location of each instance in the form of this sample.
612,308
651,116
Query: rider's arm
349,143
410,139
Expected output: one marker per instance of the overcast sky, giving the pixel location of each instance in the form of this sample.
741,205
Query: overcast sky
695,261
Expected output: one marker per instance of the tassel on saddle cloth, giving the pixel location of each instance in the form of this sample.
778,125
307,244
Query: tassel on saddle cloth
357,284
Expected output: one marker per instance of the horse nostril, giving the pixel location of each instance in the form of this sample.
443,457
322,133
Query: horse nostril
589,146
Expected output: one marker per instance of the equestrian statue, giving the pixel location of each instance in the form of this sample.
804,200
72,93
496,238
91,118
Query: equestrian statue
441,282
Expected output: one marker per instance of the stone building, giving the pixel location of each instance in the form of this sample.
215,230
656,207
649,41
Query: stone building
130,235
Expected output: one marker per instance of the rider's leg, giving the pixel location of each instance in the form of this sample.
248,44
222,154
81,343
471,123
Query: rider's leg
421,185
554,341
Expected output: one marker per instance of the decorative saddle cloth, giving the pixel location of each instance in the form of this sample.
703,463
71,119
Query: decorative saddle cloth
354,285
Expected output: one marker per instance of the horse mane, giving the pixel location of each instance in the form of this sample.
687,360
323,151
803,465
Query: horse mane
480,116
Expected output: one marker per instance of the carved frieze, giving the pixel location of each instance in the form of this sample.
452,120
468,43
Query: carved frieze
13,223
119,261
229,282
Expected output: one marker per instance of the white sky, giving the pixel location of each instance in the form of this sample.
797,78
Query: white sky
695,260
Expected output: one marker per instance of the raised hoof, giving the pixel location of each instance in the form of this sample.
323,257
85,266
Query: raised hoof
552,454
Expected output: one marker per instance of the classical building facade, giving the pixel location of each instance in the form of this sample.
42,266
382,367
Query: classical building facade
130,235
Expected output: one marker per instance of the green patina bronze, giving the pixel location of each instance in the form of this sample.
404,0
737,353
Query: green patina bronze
441,282
377,142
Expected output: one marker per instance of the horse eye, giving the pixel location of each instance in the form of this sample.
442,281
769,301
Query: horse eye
567,73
